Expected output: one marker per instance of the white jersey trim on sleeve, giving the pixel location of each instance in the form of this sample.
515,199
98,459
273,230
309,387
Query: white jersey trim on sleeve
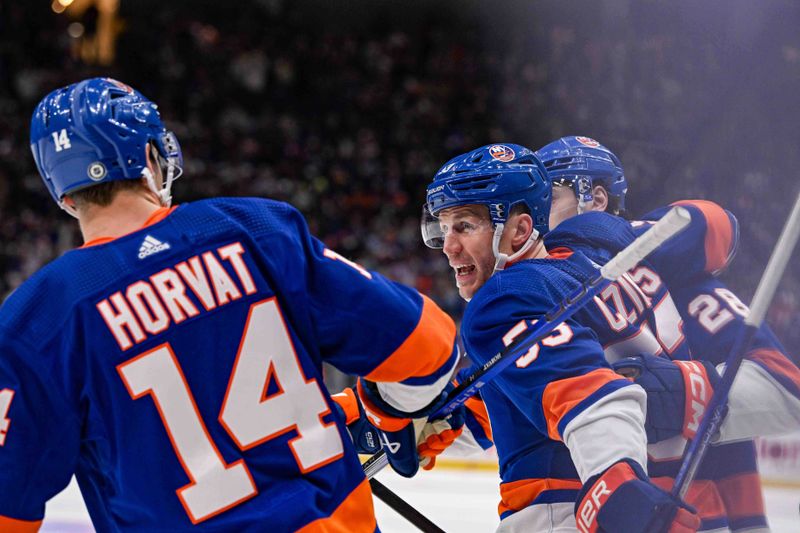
410,398
758,406
608,431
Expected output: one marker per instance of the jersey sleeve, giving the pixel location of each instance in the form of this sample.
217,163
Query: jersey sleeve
563,385
765,397
764,400
368,325
39,437
477,433
706,246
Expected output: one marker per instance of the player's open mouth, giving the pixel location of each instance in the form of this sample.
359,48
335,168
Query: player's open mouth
464,270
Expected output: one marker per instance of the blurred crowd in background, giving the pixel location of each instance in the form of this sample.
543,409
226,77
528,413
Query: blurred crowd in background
347,109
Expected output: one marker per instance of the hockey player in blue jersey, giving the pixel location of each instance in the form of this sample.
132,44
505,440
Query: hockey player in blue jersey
588,178
173,362
568,430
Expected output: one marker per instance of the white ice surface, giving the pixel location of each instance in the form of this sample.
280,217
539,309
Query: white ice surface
456,500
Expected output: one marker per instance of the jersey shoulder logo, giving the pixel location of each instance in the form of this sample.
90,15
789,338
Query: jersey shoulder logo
150,245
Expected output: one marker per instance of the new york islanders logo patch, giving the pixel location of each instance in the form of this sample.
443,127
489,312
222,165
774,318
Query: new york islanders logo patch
501,152
588,141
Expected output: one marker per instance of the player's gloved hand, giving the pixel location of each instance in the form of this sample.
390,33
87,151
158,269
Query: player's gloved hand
364,435
401,433
678,393
437,435
622,499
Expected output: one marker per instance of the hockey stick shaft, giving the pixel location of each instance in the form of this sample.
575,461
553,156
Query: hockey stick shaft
711,422
403,508
672,223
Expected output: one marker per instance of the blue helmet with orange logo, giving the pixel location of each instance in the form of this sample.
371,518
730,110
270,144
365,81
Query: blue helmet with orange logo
582,163
499,176
96,131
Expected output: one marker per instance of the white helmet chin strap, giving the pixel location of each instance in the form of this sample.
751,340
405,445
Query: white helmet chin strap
164,194
501,259
70,209
581,204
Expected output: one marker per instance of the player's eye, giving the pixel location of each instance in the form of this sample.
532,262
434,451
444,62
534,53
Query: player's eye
464,227
467,227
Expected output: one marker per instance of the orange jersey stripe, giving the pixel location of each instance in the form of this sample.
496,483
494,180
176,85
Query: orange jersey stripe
478,410
354,515
776,361
702,495
424,351
12,525
561,396
719,233
562,252
517,495
742,495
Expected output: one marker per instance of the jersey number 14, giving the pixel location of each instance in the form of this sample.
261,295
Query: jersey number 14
248,415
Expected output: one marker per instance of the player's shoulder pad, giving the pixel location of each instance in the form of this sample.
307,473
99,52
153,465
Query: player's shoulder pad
258,215
268,222
593,229
500,302
525,290
40,307
712,228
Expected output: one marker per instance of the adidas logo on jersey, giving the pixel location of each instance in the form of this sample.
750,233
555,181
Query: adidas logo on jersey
151,245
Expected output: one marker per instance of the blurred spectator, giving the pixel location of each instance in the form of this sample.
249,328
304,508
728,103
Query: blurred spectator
347,109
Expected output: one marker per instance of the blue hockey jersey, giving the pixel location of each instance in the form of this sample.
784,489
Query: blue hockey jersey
727,488
176,371
714,317
633,315
545,411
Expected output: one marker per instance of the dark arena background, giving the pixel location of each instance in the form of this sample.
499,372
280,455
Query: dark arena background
346,109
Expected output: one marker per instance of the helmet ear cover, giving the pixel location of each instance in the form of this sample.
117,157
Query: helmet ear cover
96,131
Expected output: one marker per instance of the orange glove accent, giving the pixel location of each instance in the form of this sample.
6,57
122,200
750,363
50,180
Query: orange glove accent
433,445
349,403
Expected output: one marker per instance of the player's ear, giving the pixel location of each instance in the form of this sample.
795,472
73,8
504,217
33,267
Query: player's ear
522,225
150,156
600,200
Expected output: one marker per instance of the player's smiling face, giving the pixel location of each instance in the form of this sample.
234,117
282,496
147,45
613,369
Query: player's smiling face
468,235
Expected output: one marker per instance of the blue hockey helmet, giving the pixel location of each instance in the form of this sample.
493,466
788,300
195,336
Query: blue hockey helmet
582,163
96,131
499,176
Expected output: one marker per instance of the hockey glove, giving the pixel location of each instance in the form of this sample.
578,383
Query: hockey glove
401,433
437,435
364,435
678,393
622,499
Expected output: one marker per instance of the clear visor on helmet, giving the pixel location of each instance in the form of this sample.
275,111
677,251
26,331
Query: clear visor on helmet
461,221
432,234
